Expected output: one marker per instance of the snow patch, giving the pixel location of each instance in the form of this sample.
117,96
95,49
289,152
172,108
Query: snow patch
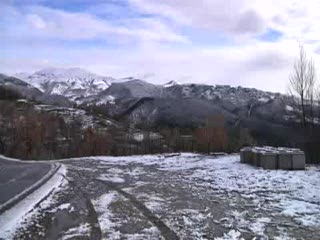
289,193
303,212
108,178
171,84
289,108
80,231
258,227
264,100
155,203
102,206
231,235
147,233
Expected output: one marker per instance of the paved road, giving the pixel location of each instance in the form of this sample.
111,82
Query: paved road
17,176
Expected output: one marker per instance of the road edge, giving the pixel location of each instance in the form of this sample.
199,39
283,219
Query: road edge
13,201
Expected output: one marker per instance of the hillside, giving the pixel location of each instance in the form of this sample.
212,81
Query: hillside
37,125
168,101
262,117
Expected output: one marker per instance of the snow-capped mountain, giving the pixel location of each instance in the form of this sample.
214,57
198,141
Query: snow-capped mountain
173,102
25,90
73,83
171,83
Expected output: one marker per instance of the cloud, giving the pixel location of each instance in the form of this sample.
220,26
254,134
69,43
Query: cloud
268,60
36,21
243,42
249,22
292,18
39,22
229,16
252,65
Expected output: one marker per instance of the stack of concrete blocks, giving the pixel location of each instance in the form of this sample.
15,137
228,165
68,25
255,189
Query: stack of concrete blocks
273,158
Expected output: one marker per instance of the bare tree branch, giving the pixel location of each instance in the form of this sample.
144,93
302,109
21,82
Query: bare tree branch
302,86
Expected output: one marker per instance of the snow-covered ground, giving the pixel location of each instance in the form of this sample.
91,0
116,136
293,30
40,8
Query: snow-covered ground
193,196
294,194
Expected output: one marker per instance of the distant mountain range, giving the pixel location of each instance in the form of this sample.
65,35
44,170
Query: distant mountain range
171,104
73,83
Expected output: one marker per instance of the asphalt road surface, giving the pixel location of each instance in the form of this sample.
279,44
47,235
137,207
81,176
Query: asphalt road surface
18,176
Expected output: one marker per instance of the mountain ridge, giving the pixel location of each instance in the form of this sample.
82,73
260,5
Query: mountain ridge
165,101
72,83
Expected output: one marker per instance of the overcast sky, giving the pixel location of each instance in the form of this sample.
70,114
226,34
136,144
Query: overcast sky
238,42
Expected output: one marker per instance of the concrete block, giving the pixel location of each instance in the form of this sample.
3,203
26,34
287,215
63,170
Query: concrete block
269,160
257,159
298,161
245,154
252,158
285,160
273,158
242,159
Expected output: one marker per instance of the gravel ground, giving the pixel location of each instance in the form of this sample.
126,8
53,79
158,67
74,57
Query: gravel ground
177,197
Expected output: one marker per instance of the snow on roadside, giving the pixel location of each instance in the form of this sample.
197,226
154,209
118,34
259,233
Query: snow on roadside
110,178
259,225
24,211
64,206
295,193
118,175
79,231
102,207
147,233
109,222
155,203
231,235
302,212
291,193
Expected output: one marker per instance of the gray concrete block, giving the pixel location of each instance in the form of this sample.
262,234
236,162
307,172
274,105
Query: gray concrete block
257,158
248,157
252,157
242,159
285,160
245,154
273,158
298,161
268,160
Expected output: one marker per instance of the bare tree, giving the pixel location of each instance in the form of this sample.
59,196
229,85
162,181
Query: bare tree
302,84
311,82
213,136
317,102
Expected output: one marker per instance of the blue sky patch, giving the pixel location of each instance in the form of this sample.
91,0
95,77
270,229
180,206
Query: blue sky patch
271,36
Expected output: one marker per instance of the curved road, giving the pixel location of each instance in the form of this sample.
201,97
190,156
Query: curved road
17,176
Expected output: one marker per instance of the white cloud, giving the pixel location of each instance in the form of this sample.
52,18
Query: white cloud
46,23
264,66
148,47
294,18
230,16
36,21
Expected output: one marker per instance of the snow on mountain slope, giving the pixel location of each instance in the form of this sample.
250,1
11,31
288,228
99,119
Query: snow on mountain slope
12,81
83,87
171,83
73,83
